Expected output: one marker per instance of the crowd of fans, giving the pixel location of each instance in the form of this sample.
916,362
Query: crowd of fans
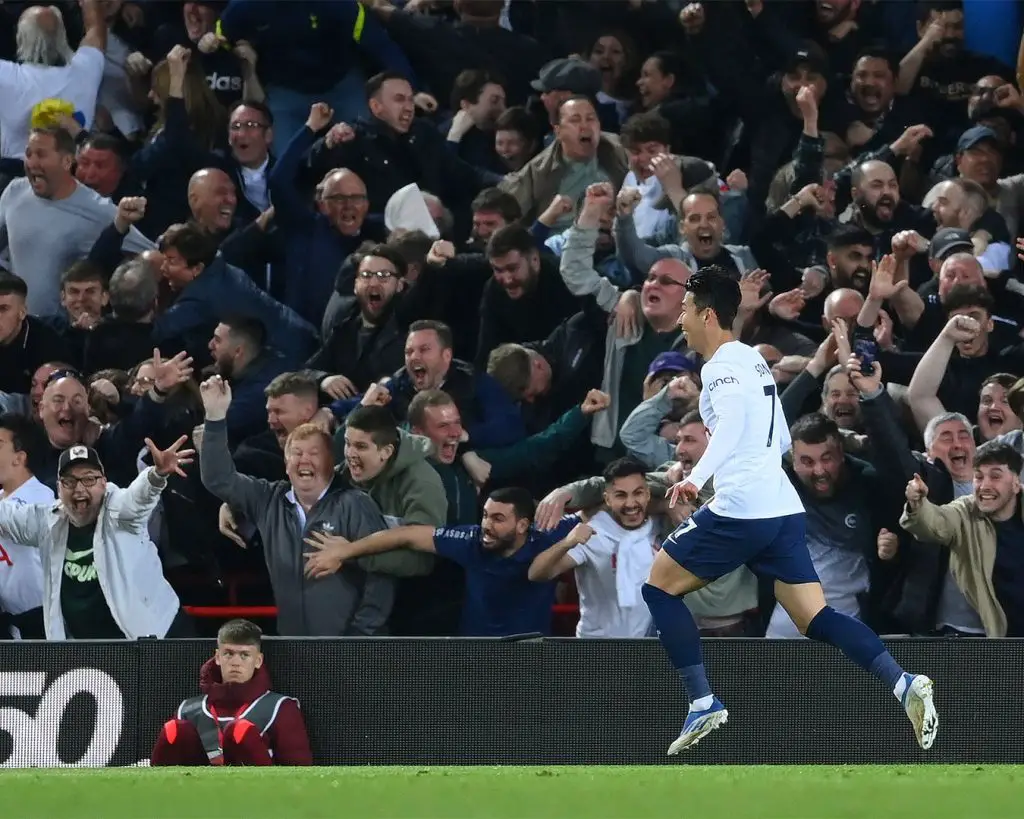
396,274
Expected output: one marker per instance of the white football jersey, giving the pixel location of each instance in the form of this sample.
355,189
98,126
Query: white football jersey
21,572
748,437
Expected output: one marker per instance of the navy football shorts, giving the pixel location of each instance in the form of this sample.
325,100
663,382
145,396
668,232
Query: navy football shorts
710,546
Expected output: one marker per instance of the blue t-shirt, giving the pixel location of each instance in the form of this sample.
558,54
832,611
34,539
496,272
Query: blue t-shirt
500,600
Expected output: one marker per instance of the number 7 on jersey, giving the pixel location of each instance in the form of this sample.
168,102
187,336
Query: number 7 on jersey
769,392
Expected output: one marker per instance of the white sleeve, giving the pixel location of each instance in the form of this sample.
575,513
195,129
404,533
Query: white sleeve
729,404
10,80
88,64
578,554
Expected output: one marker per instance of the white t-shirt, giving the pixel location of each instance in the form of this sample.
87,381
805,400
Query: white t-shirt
610,569
24,86
21,572
748,437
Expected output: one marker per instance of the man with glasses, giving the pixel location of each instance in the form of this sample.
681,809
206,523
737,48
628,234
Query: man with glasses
368,339
250,136
645,325
98,529
311,243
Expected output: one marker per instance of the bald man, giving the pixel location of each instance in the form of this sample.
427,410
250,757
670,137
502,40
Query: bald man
212,198
341,197
845,304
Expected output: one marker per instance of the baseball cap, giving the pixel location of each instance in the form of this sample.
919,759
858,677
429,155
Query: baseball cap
73,456
972,136
949,240
811,54
568,74
670,362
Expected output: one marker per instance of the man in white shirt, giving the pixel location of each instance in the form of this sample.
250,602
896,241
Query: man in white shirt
612,555
21,570
755,518
47,69
52,220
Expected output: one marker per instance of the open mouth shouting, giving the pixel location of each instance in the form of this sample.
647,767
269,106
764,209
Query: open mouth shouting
958,460
996,420
885,207
705,241
845,415
420,376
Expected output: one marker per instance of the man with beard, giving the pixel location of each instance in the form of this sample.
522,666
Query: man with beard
940,70
873,114
963,204
52,219
984,532
876,207
489,415
701,231
499,599
241,357
926,599
307,246
102,578
368,339
611,555
525,299
850,254
843,520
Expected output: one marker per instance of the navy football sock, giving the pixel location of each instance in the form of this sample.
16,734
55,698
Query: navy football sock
857,642
679,635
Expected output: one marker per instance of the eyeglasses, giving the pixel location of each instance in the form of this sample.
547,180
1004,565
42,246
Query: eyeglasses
376,274
345,198
247,125
664,281
88,481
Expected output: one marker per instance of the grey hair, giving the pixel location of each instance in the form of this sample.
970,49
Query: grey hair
38,46
933,425
133,290
446,224
836,369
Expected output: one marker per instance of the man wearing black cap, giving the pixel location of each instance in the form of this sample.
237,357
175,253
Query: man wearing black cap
569,77
102,576
775,138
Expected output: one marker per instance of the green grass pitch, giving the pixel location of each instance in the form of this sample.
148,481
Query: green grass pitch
700,792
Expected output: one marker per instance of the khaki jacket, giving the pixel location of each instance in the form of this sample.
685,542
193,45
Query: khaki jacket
971,538
537,182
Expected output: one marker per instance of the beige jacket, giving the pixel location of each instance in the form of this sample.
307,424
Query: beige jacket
537,182
971,538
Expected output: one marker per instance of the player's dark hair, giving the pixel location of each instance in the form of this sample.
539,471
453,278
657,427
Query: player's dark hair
240,633
968,295
623,468
715,289
520,499
815,428
996,453
377,422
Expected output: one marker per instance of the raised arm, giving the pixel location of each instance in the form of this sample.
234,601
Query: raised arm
243,493
577,263
560,558
95,22
327,553
924,386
